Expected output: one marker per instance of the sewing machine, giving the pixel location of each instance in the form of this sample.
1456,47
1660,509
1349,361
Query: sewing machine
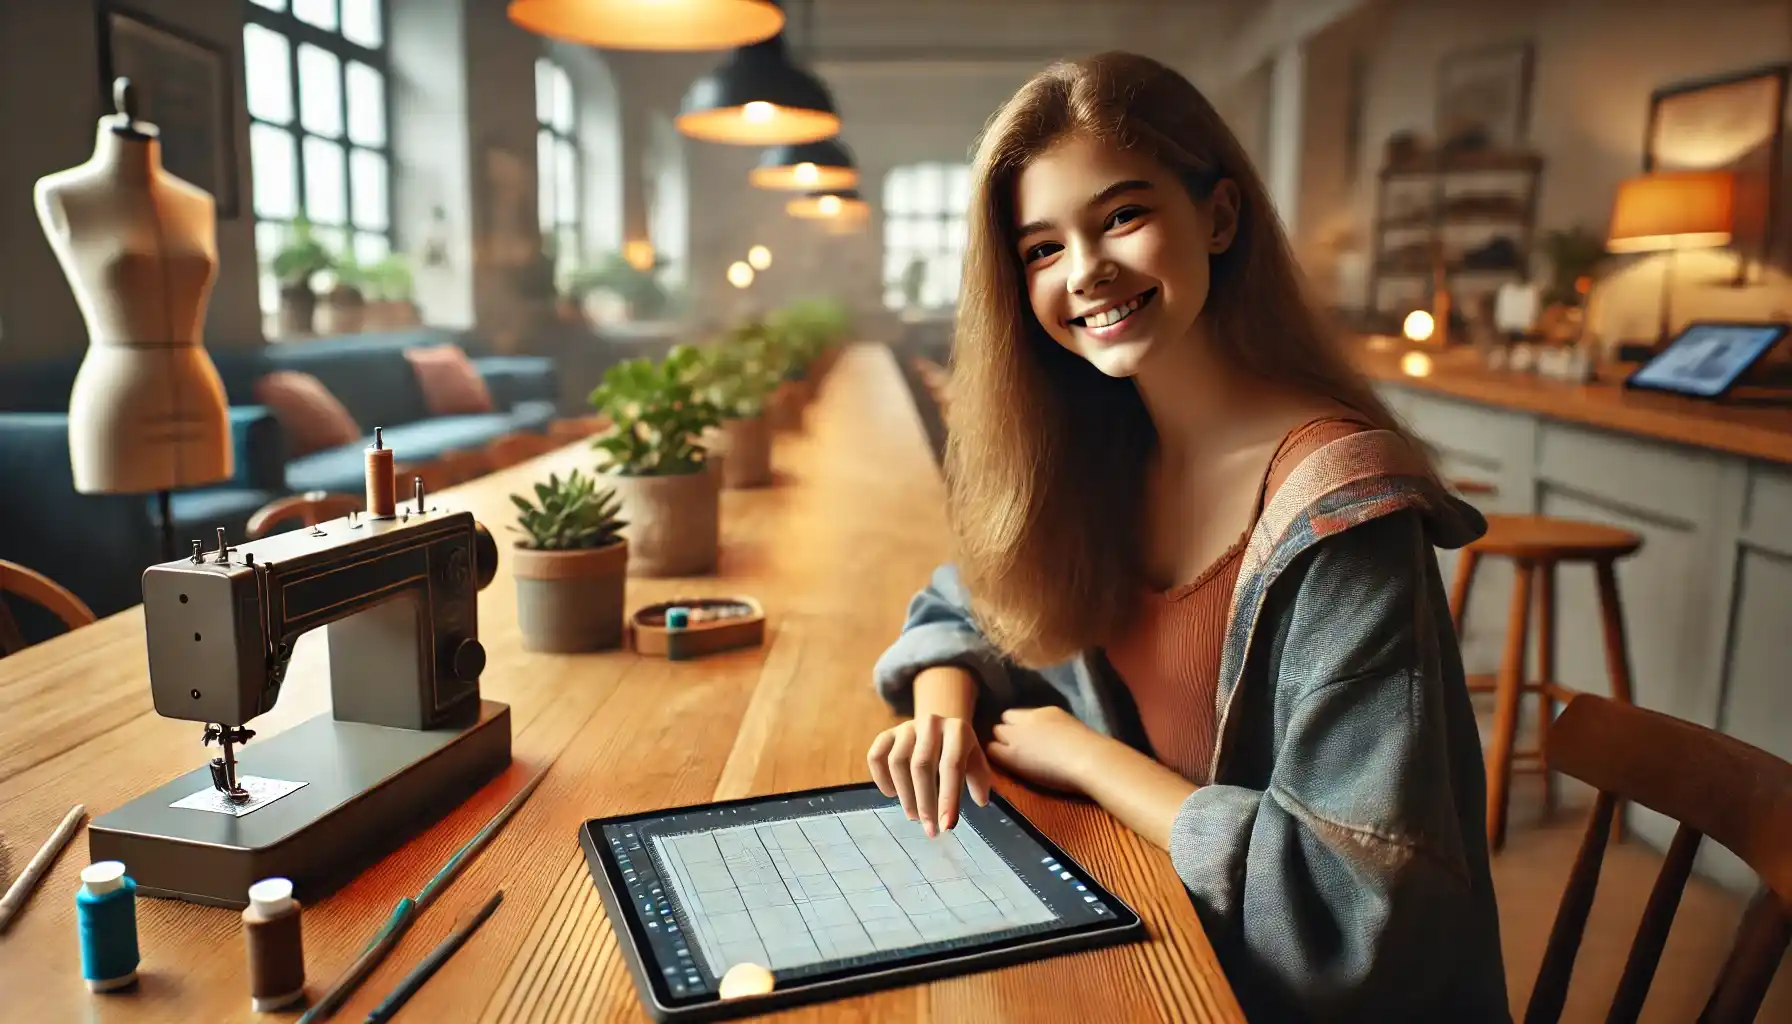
407,737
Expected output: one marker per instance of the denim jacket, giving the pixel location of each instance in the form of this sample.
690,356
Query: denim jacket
1338,861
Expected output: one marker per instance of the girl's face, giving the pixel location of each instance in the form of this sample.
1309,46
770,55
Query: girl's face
1114,251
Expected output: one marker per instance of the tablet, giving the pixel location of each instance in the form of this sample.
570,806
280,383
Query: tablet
836,892
1707,358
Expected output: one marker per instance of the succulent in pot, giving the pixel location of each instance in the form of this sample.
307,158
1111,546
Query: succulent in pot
654,455
571,565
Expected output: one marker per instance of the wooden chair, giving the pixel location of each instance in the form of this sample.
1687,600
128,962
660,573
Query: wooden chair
309,509
522,446
1536,545
1713,785
42,591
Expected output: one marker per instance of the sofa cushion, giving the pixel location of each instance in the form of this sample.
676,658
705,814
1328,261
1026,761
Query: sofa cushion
451,386
198,514
343,470
310,416
368,374
533,415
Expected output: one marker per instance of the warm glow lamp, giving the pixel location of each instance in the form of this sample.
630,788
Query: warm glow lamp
806,167
663,25
1669,211
739,274
840,203
758,98
639,253
759,257
1418,326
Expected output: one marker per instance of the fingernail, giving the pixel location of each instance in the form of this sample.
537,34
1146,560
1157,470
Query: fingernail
928,827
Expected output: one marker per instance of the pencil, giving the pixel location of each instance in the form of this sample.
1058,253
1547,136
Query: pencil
408,909
433,962
23,886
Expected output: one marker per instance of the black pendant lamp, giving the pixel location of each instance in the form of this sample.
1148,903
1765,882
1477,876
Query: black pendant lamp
806,167
759,98
835,204
663,25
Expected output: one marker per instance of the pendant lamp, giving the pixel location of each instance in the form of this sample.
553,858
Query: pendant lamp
806,167
841,204
758,98
663,25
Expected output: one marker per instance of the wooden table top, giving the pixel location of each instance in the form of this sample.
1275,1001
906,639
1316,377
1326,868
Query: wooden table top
1756,432
852,527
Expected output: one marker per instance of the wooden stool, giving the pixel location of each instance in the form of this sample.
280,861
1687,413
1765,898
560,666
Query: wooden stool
1536,544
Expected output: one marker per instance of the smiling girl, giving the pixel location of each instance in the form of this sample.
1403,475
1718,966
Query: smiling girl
1195,579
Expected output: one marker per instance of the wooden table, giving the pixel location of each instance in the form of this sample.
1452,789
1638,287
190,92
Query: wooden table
834,550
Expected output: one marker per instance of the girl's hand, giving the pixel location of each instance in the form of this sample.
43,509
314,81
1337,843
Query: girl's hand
1048,746
925,762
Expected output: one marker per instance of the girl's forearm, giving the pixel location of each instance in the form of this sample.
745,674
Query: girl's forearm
1143,794
947,691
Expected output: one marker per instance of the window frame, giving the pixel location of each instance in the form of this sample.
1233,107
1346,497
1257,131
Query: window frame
547,178
298,33
942,217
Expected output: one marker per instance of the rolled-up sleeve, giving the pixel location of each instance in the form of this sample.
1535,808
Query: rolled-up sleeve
939,630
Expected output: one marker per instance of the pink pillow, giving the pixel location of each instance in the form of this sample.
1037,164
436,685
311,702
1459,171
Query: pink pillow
451,386
311,418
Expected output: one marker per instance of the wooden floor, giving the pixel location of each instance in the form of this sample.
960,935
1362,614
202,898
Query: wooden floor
1529,875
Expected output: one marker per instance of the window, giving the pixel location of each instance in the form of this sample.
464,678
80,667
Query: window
557,163
315,79
924,206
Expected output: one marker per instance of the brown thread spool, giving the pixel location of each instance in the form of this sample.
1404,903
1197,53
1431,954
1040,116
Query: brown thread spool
276,950
381,485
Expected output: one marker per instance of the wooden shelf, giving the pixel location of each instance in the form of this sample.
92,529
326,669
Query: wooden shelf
1426,228
1466,163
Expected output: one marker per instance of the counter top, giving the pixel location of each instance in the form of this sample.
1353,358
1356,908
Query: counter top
833,550
1752,431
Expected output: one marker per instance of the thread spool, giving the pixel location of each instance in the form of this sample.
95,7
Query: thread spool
677,621
381,484
276,947
106,914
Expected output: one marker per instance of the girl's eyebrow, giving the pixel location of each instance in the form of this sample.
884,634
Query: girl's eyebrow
1117,188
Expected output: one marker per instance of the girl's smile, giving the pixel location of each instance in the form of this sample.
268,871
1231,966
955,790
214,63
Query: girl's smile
1114,320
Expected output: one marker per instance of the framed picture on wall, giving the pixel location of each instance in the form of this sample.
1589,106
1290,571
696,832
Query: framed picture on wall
1484,97
1734,122
184,88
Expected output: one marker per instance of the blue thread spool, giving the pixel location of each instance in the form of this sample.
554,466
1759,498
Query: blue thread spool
677,620
106,913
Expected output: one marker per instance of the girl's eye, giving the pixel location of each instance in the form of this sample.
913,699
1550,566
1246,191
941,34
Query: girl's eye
1124,214
1041,251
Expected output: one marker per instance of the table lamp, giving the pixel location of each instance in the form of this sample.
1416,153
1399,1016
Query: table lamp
1669,211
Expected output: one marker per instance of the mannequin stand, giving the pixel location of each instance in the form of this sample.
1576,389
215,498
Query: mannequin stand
165,515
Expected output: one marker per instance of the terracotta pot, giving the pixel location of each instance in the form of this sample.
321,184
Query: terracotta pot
744,449
674,522
345,312
784,409
298,309
570,601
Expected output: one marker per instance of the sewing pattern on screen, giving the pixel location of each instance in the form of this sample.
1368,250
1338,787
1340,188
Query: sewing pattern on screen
830,887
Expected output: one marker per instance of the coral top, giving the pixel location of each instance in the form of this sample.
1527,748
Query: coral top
1169,655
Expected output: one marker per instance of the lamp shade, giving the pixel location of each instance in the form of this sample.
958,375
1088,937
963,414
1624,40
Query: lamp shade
758,98
1673,210
806,167
662,25
840,203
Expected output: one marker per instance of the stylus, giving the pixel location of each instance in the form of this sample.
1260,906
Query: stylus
431,963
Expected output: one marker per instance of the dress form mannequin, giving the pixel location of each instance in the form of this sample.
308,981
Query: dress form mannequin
139,248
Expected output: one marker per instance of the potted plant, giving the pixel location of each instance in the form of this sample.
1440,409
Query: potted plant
389,291
345,304
297,262
640,291
570,566
655,458
737,376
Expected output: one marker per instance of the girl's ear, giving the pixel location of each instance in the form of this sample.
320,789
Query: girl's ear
1223,206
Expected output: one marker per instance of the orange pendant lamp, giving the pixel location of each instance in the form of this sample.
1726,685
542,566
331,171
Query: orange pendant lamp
837,204
759,97
809,167
660,25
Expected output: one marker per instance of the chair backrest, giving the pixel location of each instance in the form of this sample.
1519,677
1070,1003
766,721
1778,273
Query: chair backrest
40,590
1713,785
308,509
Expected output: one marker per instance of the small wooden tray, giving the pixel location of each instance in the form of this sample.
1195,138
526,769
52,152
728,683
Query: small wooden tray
648,633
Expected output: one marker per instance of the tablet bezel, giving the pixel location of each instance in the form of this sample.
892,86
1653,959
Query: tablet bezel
1124,925
1779,327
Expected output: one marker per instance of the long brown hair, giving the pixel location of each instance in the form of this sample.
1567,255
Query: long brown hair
1046,455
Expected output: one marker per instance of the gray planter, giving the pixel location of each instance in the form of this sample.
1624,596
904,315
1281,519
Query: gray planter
570,601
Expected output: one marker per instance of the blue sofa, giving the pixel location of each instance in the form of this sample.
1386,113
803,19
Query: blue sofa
98,545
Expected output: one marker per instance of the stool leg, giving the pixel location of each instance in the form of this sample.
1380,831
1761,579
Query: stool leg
1617,657
1505,715
1546,674
1467,561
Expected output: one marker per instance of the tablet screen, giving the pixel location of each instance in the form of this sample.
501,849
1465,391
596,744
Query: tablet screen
833,882
1706,359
